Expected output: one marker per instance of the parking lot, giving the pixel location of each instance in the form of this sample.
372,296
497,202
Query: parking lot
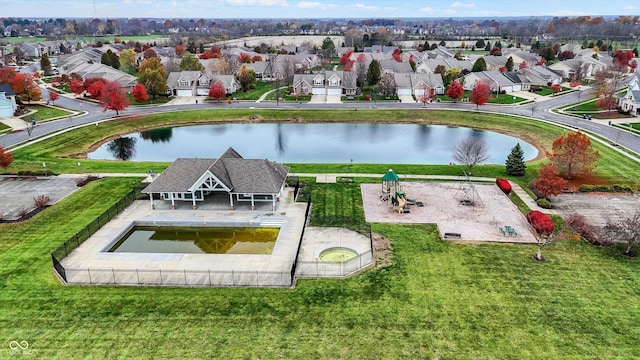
17,193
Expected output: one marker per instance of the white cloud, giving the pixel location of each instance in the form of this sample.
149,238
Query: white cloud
366,7
309,4
428,9
629,7
258,2
458,4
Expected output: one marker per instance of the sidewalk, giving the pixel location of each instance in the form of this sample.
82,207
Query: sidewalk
14,122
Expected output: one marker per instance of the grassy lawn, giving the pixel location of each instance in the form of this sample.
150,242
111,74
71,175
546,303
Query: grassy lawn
158,100
585,107
254,94
44,113
437,300
4,128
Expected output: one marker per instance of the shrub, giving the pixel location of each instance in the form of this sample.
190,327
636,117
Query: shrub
541,222
41,201
23,212
544,203
504,185
605,188
579,224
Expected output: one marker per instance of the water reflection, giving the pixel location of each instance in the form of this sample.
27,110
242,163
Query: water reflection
123,148
157,135
310,143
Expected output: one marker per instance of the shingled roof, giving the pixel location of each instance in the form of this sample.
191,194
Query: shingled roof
238,174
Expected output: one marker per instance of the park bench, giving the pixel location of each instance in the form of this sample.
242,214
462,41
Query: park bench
452,235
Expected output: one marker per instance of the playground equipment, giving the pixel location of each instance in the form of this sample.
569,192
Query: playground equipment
391,190
470,196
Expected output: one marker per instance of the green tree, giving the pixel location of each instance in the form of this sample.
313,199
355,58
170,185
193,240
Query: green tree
515,162
479,65
328,48
153,76
45,64
373,74
509,64
105,59
128,61
190,62
480,43
111,58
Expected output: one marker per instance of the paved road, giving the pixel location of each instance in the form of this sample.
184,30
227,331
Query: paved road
541,110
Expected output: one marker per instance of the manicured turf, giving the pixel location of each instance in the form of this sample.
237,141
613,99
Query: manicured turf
437,300
44,113
254,94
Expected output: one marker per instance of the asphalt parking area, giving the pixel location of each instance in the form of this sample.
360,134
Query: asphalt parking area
17,193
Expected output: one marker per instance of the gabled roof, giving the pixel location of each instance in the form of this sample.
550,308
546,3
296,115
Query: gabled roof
236,173
7,90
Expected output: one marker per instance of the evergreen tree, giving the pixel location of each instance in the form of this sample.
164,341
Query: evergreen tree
426,46
509,64
373,74
515,162
479,65
45,64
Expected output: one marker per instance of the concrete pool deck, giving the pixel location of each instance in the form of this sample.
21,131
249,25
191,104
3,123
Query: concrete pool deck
91,263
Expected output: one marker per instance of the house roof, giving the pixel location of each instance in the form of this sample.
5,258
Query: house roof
236,173
7,90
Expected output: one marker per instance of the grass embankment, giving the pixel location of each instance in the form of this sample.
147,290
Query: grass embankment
61,152
254,94
437,300
4,128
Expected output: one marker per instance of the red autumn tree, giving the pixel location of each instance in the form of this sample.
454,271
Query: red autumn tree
455,90
549,183
179,50
95,89
573,155
76,86
481,93
6,74
6,158
217,90
113,98
426,96
24,87
542,61
244,58
256,58
523,65
346,62
150,53
622,59
53,96
139,93
502,69
543,230
397,55
556,88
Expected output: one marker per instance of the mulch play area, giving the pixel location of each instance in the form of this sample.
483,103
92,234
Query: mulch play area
462,210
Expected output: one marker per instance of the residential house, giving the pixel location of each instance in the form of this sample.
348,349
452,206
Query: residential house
496,80
541,75
630,101
324,83
243,180
494,63
88,70
7,101
429,66
230,83
519,56
520,81
393,66
423,83
183,83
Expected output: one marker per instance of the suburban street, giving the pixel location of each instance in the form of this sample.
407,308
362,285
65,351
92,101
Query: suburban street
93,113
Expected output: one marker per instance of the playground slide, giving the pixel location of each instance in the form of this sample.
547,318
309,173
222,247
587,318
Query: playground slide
401,204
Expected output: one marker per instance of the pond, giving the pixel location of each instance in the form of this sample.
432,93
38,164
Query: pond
310,143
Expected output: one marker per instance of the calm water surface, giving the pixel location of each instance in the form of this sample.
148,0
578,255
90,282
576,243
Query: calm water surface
310,143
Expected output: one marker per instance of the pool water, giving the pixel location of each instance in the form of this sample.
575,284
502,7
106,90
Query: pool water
198,240
337,255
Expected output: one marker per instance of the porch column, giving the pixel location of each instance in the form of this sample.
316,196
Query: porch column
151,201
173,203
273,202
193,200
231,201
253,204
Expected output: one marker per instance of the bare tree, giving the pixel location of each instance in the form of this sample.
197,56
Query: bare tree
388,84
471,151
625,231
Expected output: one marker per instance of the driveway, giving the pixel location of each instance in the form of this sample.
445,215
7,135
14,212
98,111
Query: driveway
407,99
182,100
598,208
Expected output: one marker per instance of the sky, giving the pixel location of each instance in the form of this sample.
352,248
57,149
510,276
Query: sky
294,9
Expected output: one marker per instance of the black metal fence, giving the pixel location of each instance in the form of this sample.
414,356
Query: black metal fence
81,236
313,269
306,222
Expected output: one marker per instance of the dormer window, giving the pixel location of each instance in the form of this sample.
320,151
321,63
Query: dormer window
183,82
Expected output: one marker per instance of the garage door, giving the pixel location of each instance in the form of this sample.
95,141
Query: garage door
318,91
334,91
418,92
202,92
6,111
184,93
517,87
404,91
